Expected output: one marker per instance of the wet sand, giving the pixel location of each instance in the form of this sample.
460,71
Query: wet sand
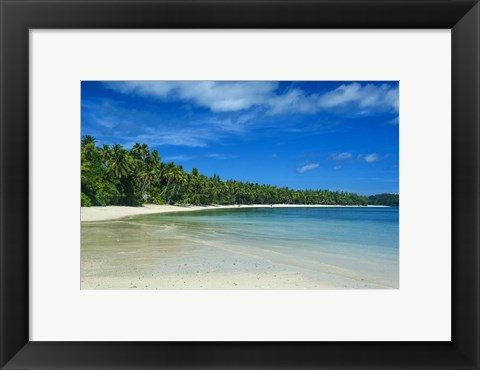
126,254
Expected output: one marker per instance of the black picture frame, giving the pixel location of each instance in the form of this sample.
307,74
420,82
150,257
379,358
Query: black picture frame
19,16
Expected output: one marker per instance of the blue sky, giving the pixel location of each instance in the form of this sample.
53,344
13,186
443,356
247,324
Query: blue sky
340,135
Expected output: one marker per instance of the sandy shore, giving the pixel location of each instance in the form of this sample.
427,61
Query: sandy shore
118,212
284,280
129,254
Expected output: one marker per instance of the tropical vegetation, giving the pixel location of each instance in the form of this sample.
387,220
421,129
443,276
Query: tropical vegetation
384,199
113,175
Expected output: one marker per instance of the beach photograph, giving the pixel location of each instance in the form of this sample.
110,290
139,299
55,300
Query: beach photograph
273,185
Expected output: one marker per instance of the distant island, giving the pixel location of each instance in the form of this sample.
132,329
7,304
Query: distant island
113,175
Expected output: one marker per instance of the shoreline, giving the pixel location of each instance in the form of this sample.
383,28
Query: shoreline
109,213
145,255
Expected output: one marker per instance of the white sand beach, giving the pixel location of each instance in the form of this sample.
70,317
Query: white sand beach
122,253
117,212
132,257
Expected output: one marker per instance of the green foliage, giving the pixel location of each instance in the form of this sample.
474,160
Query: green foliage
99,185
86,202
384,199
116,176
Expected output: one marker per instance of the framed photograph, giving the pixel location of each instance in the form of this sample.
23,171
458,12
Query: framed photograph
256,215
239,184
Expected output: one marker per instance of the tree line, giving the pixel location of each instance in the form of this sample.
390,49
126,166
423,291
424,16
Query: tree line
112,175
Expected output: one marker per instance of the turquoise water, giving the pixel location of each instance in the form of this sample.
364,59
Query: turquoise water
335,247
363,240
326,229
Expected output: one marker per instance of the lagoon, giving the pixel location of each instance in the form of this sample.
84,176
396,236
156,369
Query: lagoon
245,248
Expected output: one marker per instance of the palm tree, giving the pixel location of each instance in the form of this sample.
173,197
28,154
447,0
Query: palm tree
106,152
145,180
140,151
177,177
119,162
84,167
88,140
154,160
165,174
147,167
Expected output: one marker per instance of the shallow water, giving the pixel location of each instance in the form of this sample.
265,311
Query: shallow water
340,247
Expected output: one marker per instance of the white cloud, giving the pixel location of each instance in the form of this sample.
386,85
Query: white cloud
293,101
370,158
217,156
231,96
106,122
393,121
245,118
341,156
363,99
109,119
191,137
307,167
234,125
336,168
228,96
159,89
384,97
217,96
